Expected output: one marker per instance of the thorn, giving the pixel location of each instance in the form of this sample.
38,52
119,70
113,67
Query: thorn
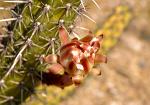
47,15
44,38
30,9
4,8
19,72
79,12
18,44
88,18
47,8
96,4
14,12
52,28
24,59
45,11
10,19
2,96
76,35
12,48
68,8
53,45
60,23
4,67
82,28
6,99
20,60
14,82
37,45
47,44
82,3
9,56
16,1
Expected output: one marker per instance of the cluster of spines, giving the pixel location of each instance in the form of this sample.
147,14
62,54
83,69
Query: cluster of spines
31,32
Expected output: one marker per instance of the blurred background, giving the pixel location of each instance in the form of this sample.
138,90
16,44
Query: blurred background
125,79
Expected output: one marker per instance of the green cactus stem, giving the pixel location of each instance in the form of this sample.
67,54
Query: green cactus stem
33,28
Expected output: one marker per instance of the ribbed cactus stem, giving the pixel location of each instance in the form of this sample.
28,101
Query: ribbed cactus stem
19,55
32,33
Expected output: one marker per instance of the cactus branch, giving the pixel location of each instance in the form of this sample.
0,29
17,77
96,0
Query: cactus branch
32,31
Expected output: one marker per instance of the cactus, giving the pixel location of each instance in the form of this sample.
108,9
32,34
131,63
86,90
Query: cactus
121,16
32,29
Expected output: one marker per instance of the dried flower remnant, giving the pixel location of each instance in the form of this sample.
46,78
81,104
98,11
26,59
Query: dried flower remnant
74,61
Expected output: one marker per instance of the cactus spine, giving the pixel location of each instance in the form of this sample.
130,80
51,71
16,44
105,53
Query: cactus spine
33,27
